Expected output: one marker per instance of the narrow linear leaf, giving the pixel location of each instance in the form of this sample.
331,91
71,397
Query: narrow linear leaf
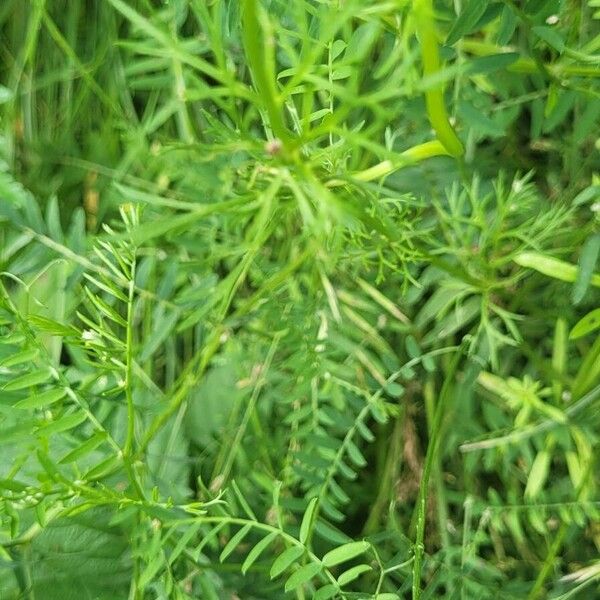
149,573
235,541
183,541
28,380
307,520
285,560
330,533
587,262
586,324
103,468
62,424
468,18
383,301
111,290
53,327
83,449
242,500
103,307
257,551
42,399
26,356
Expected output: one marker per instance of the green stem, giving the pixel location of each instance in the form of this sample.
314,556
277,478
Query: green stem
259,46
409,157
440,492
430,458
129,442
434,97
250,410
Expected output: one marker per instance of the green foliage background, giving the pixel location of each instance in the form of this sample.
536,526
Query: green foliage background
299,299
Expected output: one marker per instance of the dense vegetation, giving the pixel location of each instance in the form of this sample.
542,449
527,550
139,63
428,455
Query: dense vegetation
299,299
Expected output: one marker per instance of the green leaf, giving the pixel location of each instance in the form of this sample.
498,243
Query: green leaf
478,121
330,510
344,553
53,327
588,195
285,560
552,267
108,465
62,424
395,390
111,289
184,540
468,18
533,7
550,36
364,431
235,541
242,500
352,574
587,263
356,456
337,48
488,64
13,485
302,575
326,592
307,520
42,399
508,24
558,112
338,492
383,301
104,308
330,533
538,474
83,449
26,356
28,380
585,325
257,551
412,347
361,42
151,570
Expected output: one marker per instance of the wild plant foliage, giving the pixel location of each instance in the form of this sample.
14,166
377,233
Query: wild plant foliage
299,299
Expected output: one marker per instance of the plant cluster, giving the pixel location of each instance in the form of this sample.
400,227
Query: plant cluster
299,299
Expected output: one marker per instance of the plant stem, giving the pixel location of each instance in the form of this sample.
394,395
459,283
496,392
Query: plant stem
430,457
130,440
434,97
260,56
